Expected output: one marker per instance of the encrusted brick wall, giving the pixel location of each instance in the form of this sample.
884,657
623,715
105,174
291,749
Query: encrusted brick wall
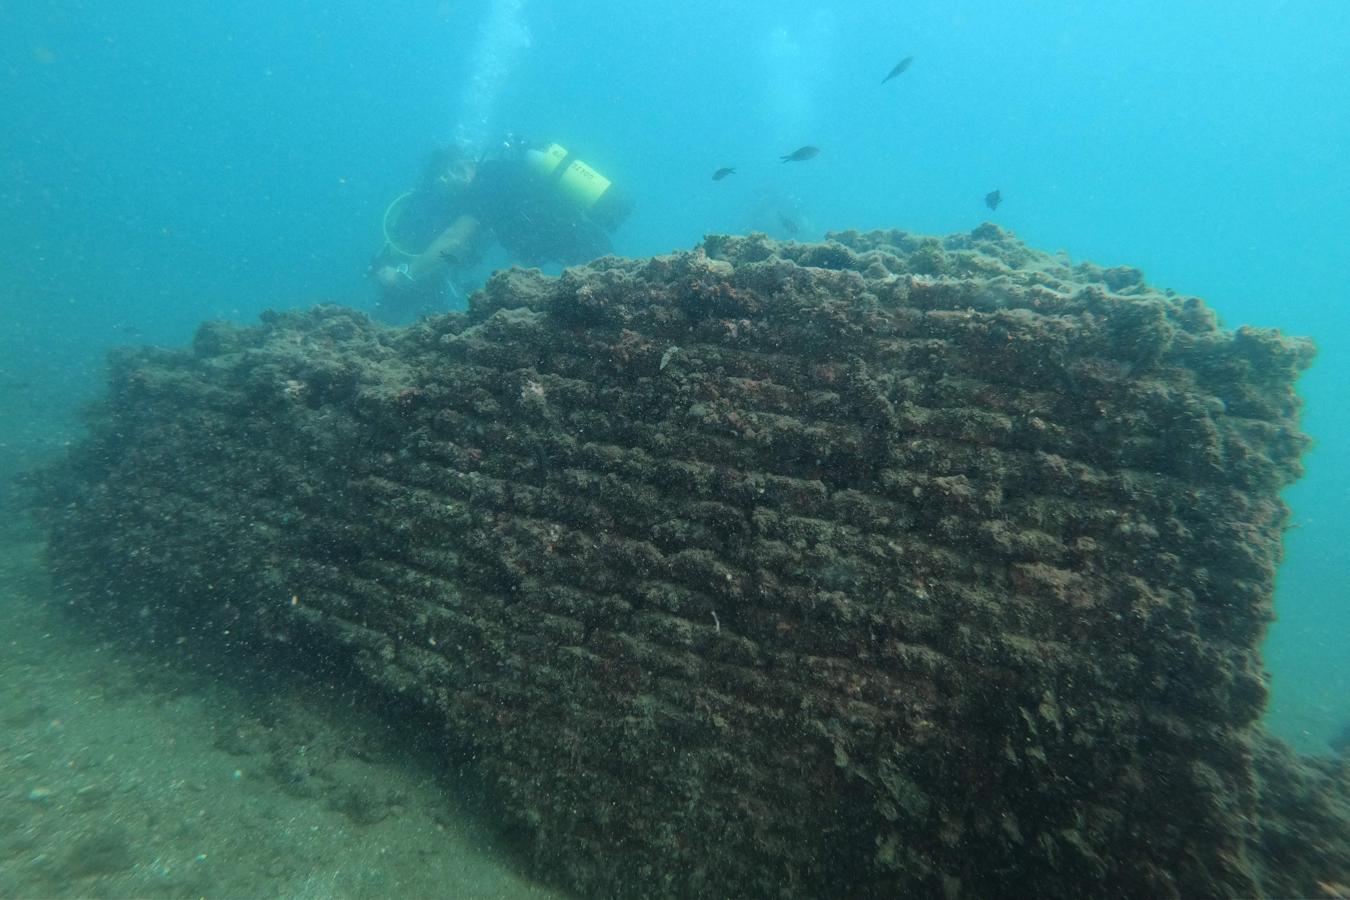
886,565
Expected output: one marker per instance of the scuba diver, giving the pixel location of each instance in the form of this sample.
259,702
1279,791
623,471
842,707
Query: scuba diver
540,203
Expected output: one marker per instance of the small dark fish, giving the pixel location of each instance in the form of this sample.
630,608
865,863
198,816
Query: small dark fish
15,385
789,224
723,173
801,153
900,67
993,199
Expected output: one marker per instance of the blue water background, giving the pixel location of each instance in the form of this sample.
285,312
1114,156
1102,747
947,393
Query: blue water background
165,163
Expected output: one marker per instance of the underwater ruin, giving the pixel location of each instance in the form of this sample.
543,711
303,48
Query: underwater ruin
885,566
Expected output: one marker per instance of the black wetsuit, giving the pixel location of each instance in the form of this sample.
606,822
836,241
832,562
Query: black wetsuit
529,217
533,221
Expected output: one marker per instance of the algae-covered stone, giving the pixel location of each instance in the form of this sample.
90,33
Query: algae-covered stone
889,566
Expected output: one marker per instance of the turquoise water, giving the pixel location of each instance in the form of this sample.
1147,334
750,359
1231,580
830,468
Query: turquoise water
162,164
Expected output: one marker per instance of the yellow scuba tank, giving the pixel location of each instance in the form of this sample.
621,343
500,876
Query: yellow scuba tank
575,180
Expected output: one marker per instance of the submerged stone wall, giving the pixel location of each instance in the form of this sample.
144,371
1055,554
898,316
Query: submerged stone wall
885,565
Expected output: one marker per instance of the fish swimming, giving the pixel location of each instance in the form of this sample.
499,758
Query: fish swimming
993,199
789,224
801,153
900,67
723,173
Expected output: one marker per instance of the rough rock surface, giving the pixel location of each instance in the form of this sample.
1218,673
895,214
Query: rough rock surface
889,566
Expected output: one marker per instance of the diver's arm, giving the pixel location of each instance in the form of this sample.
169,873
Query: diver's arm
456,247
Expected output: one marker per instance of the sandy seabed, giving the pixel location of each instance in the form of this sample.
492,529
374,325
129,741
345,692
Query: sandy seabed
121,776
